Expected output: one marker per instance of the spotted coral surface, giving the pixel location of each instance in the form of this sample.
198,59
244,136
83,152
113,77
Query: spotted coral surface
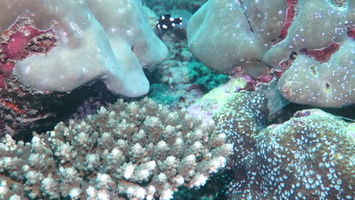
326,84
257,35
241,117
81,44
137,150
310,156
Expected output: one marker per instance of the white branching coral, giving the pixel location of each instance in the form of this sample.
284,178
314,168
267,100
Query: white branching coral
136,150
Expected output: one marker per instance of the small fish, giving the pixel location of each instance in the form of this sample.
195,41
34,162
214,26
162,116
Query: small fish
166,22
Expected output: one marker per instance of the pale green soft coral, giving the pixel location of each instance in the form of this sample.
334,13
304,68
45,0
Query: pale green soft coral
108,40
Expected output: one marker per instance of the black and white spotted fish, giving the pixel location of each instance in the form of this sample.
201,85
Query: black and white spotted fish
166,22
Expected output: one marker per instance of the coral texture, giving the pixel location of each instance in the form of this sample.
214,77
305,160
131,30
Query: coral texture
206,107
256,35
222,37
109,40
138,150
329,84
311,156
241,117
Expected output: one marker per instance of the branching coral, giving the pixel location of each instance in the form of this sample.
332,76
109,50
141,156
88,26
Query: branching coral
138,150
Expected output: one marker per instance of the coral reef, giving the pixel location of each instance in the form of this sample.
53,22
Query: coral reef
235,142
180,80
206,107
137,150
20,107
310,156
47,46
88,45
258,35
181,84
329,84
231,41
241,117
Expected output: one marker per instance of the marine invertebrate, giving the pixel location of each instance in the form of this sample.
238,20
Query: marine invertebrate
88,44
136,150
206,107
327,84
256,35
241,117
48,46
226,34
310,156
21,106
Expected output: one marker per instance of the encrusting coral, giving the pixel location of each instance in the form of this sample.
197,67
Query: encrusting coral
310,156
137,150
241,117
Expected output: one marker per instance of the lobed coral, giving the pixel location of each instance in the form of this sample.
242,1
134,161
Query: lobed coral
48,46
257,35
136,150
310,156
85,45
327,84
230,40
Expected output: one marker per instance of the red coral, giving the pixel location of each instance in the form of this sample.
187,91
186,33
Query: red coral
265,78
22,38
6,68
323,54
12,106
2,82
302,114
20,106
351,33
290,14
15,48
19,41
